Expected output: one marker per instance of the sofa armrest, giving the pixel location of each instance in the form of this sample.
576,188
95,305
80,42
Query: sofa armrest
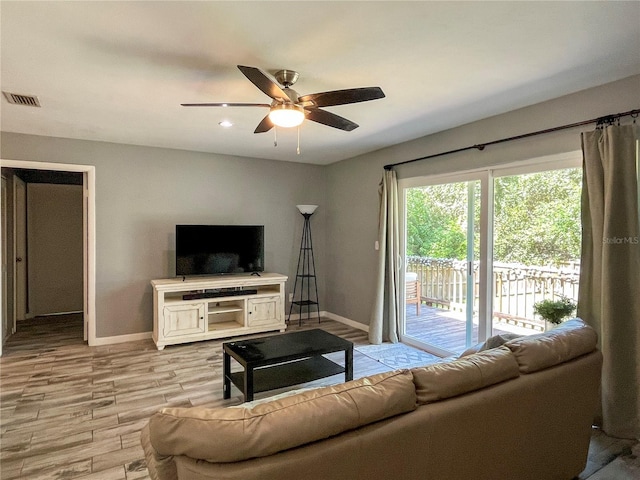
160,467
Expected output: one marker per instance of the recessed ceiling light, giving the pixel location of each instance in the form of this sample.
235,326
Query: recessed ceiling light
225,124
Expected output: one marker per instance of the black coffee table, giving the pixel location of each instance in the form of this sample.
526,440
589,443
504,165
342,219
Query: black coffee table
283,360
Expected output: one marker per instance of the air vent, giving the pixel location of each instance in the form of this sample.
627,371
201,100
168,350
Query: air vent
17,99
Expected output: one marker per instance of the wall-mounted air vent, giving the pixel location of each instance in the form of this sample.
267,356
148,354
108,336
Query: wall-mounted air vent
18,99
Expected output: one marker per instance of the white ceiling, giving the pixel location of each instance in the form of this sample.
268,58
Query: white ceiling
118,71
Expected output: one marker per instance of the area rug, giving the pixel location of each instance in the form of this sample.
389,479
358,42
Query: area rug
397,355
624,467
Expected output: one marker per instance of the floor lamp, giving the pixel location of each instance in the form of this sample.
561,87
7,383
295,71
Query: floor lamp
307,294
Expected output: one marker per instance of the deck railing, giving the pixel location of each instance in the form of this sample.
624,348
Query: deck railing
516,287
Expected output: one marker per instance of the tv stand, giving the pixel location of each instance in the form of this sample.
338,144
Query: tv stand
204,308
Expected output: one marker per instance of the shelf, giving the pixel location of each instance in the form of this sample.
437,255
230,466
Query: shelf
286,374
223,309
178,299
303,303
223,326
269,290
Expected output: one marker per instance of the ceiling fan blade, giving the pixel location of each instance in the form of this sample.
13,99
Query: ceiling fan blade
225,104
264,83
264,126
330,119
342,97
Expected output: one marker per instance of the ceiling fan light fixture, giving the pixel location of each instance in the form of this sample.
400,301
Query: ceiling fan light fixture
286,115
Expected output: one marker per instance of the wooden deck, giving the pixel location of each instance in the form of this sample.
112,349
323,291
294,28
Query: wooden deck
446,329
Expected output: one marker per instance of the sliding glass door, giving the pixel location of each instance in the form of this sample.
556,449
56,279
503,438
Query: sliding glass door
442,232
536,245
482,248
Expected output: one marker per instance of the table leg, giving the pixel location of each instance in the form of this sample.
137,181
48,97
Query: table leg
348,364
248,384
226,377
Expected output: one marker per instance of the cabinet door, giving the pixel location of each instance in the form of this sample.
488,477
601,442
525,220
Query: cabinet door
186,319
263,311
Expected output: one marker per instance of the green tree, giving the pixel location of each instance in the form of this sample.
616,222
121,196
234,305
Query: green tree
436,222
536,218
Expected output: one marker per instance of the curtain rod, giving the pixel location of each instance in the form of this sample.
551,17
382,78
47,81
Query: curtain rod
607,119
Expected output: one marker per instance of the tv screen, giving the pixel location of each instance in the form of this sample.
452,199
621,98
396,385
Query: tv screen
219,249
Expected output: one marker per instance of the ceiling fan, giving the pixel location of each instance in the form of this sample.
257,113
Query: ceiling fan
289,109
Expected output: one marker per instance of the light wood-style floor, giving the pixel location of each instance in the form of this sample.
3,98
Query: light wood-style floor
71,411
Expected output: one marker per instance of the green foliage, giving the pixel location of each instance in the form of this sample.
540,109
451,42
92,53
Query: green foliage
554,311
436,222
537,219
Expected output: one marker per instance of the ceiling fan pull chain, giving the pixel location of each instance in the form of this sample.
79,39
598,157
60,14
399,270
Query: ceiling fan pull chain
275,137
298,150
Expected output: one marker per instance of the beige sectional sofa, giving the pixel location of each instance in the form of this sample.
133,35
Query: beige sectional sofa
519,411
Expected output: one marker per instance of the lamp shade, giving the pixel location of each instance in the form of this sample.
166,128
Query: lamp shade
307,209
286,115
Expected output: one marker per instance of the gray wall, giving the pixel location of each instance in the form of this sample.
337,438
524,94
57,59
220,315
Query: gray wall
143,192
352,185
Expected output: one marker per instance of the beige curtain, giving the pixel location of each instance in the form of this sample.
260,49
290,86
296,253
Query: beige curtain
383,325
609,297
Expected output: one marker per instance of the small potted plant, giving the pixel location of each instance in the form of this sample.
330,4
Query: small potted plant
554,311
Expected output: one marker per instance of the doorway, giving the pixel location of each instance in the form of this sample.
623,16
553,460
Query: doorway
88,234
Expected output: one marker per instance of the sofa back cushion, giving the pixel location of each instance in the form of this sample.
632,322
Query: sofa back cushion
479,370
491,342
570,340
233,434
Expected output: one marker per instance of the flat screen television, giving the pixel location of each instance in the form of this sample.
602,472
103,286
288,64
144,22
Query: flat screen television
219,249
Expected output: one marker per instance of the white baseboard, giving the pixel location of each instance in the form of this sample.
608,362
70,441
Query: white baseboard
134,337
332,316
346,321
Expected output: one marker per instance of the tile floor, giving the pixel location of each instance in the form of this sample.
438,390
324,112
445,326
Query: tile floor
71,411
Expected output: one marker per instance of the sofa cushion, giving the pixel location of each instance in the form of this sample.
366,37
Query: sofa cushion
479,370
492,342
234,434
570,340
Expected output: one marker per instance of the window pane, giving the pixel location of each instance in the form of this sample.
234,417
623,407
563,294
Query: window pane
537,235
441,241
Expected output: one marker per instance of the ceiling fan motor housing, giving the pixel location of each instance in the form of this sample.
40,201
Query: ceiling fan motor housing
287,77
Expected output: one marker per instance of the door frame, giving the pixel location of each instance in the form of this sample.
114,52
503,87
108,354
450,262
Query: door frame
89,233
5,264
